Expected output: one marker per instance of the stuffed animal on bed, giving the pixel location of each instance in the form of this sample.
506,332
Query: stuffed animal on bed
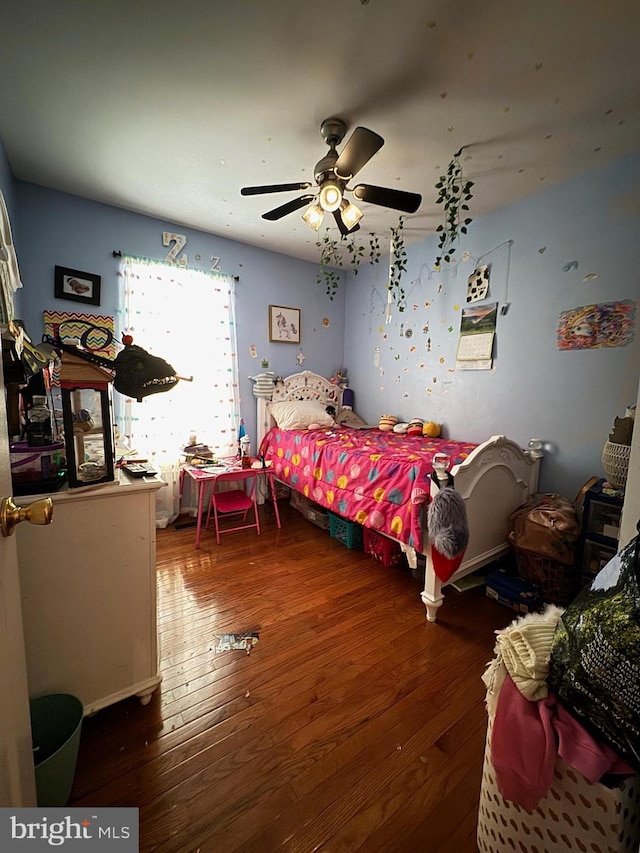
415,426
387,423
431,429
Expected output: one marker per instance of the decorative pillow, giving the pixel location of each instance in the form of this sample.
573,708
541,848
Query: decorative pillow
299,414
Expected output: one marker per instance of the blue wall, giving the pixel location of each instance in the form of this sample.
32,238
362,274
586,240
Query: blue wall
64,230
567,398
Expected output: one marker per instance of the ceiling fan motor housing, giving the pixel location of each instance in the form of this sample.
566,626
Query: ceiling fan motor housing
325,168
332,131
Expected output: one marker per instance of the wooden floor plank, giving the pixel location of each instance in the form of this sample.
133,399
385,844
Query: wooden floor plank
354,724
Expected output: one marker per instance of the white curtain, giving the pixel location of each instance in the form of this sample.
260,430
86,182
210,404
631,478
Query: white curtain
187,317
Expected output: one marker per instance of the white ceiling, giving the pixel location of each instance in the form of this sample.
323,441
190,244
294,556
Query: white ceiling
169,108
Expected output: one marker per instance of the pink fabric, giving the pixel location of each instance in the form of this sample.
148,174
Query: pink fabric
523,746
526,738
582,752
378,479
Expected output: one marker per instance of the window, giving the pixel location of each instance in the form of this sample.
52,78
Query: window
186,317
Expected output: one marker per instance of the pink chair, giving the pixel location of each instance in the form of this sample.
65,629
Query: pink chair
233,502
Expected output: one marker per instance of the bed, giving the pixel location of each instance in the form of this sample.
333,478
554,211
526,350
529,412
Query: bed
385,480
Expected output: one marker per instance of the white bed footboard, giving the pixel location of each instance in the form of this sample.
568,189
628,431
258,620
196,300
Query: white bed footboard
496,478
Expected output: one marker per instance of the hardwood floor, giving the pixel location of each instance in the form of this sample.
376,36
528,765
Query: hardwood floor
354,724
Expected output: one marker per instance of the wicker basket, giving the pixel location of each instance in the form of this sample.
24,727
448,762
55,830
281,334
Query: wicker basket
559,582
615,463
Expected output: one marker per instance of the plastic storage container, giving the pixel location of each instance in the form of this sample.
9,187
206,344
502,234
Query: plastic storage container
56,722
313,512
347,532
381,548
37,469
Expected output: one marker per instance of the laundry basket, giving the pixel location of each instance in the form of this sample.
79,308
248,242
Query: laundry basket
573,815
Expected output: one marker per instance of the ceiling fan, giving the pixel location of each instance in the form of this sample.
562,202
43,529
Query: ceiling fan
332,174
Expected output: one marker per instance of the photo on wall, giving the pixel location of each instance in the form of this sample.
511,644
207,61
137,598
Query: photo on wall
284,324
77,286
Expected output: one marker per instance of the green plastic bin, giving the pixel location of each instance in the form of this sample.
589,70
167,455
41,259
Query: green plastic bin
56,722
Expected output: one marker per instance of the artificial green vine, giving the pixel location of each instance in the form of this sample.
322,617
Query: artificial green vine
331,256
454,193
374,249
356,253
398,264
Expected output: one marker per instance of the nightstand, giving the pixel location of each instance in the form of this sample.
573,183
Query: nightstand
600,530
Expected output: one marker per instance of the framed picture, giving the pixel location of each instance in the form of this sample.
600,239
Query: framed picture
284,324
77,286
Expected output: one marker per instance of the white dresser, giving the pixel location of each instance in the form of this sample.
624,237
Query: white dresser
88,583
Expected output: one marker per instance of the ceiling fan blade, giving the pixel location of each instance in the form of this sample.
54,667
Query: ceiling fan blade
386,197
289,207
337,215
360,148
274,188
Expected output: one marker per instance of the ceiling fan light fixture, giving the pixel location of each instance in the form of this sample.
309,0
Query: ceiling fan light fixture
330,196
314,216
351,214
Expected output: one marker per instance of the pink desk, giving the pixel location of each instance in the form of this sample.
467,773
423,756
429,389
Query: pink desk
202,477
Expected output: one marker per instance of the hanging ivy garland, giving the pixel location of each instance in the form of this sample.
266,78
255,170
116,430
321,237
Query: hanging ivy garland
374,248
356,253
453,193
397,264
331,256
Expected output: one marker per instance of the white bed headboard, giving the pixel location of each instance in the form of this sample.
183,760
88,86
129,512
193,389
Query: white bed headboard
299,386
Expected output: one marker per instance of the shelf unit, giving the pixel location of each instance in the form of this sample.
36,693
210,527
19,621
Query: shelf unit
600,530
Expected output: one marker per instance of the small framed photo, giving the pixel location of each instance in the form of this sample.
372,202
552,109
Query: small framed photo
77,286
284,324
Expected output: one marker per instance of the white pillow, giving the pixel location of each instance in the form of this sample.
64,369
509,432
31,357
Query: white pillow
298,414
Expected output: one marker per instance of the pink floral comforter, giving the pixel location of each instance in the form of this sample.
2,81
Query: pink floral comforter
379,479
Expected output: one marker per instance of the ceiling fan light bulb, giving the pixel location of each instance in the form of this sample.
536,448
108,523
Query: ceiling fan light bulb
313,216
330,196
351,214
